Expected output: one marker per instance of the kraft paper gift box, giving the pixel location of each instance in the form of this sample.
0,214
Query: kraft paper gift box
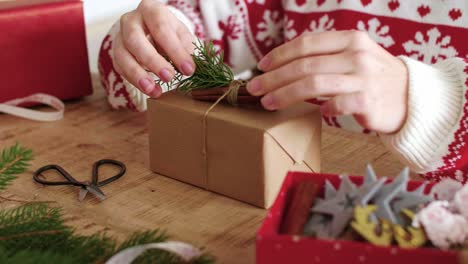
240,153
43,49
274,247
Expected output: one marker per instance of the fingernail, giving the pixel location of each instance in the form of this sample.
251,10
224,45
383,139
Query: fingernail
187,68
269,102
156,92
165,75
264,63
146,85
254,87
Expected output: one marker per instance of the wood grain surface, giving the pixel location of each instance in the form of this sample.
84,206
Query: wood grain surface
143,200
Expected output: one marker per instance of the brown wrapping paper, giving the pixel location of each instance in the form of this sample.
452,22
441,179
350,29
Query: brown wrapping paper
241,153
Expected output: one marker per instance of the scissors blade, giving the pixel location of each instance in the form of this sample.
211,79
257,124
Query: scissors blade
96,191
82,194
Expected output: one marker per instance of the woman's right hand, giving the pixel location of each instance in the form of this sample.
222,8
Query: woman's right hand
147,35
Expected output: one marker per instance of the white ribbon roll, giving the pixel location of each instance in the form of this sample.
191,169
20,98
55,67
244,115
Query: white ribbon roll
12,107
185,251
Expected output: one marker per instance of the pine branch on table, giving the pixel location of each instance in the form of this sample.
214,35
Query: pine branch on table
14,161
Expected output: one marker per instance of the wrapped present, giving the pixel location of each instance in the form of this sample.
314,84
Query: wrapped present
43,49
243,153
274,245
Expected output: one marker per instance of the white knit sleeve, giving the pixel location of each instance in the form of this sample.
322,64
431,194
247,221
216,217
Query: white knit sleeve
435,107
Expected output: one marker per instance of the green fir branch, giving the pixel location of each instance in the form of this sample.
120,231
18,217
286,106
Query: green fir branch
41,229
210,70
13,161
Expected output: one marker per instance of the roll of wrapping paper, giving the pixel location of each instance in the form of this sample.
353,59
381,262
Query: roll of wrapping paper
299,208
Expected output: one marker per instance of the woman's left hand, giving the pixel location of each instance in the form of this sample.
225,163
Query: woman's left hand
360,77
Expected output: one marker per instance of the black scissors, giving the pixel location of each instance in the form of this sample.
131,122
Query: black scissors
92,187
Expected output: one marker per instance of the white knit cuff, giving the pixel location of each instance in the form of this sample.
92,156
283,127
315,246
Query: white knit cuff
435,103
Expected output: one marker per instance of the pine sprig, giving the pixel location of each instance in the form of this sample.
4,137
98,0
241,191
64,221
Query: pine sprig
210,70
42,229
14,161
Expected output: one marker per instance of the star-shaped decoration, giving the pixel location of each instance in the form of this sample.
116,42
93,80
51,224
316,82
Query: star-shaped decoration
318,224
341,206
387,194
409,200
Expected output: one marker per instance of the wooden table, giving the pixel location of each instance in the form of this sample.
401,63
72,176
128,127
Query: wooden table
144,200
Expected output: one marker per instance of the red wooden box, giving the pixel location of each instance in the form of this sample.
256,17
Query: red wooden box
43,49
273,247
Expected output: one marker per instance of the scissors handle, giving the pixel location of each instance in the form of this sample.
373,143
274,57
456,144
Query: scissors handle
99,163
61,171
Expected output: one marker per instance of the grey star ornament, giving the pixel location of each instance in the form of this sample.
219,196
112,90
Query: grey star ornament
370,175
341,206
318,225
387,194
409,200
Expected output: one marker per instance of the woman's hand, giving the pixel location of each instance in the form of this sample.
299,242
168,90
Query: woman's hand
360,77
148,35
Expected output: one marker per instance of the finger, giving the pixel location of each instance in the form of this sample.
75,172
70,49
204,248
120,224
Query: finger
310,44
345,104
186,38
134,72
322,85
158,21
137,43
339,63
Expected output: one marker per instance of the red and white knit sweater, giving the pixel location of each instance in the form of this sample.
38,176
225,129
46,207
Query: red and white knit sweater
431,36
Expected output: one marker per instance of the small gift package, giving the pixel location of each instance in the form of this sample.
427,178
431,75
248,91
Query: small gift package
322,218
243,153
43,49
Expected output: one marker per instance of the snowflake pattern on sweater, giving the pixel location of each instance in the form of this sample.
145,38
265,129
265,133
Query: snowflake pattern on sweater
430,31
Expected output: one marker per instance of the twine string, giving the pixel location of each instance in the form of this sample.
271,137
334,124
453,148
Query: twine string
232,97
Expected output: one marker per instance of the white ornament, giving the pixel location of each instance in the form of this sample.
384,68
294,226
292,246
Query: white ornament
446,189
436,47
460,201
442,227
270,29
323,24
379,33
